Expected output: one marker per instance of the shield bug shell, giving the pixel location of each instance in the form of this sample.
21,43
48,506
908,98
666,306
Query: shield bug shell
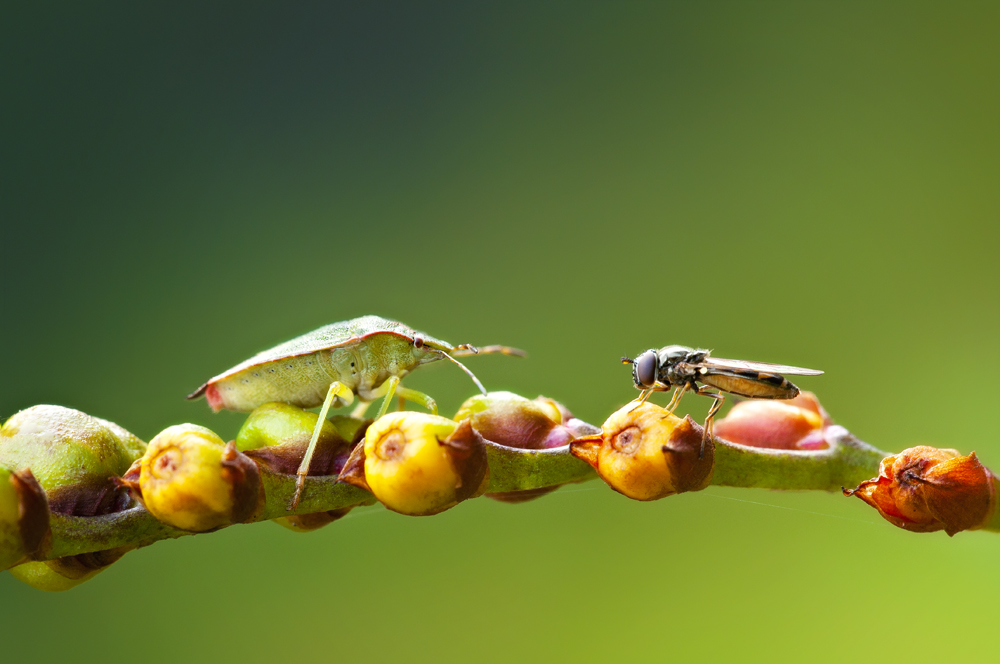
364,356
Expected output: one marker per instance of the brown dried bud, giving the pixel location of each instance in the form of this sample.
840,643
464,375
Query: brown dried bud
795,424
66,573
24,516
923,489
419,464
193,481
646,453
509,419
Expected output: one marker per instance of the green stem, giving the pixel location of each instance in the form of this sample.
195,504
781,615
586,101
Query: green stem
846,463
513,469
510,470
135,527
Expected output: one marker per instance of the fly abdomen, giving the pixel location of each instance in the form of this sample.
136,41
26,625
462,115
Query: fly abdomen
750,384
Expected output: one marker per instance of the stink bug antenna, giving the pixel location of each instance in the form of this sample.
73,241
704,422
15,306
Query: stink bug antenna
466,370
465,350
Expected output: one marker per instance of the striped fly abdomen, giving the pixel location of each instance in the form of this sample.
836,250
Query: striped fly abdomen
750,384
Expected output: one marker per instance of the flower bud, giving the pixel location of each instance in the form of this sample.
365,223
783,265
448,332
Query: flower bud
66,573
193,481
72,455
276,436
24,516
923,489
419,464
306,523
646,453
795,424
511,420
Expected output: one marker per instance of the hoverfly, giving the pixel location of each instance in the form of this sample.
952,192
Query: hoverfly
682,368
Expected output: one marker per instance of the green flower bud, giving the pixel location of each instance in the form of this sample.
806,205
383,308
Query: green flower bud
72,455
66,573
193,481
276,436
24,516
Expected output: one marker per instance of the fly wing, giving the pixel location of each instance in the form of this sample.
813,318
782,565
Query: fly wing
766,367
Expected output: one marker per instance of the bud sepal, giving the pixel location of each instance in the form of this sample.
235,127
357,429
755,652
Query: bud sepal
924,489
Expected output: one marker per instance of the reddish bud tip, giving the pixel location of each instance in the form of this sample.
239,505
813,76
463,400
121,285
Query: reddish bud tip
924,489
795,424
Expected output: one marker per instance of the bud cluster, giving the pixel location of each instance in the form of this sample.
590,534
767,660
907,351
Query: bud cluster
62,461
59,466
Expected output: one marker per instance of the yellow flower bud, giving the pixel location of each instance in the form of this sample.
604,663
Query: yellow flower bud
65,573
24,516
646,453
192,480
420,464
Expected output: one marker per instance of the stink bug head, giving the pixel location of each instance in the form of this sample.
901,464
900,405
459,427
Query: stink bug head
426,348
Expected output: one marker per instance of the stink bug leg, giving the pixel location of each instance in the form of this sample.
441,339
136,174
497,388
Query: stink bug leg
337,389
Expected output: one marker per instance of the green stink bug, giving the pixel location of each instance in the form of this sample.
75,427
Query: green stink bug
364,356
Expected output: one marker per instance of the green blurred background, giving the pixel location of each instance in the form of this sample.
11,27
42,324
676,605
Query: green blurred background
806,183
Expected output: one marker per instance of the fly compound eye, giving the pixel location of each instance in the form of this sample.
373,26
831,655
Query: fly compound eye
645,369
418,342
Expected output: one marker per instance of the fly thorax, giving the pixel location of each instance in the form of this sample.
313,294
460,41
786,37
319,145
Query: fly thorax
677,375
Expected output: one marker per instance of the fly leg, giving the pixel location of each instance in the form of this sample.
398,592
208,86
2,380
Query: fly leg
641,399
337,389
676,399
646,393
709,419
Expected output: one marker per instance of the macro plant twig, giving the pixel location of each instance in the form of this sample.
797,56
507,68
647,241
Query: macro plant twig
85,491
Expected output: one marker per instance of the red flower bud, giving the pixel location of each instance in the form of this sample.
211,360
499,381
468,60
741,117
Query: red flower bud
795,424
511,420
924,489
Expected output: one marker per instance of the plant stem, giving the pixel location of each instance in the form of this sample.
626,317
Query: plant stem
846,463
136,527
